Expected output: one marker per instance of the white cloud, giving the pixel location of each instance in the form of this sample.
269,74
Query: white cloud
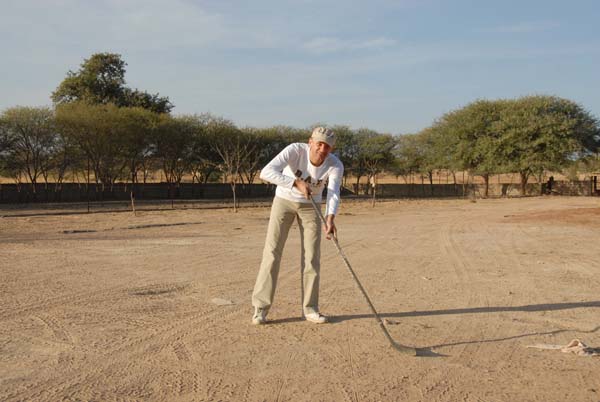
148,25
527,27
323,45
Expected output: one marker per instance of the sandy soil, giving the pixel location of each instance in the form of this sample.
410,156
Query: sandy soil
113,307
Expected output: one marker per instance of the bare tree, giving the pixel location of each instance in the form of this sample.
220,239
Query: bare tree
30,135
234,148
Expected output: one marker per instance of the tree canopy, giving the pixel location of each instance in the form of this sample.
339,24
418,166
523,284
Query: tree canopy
528,135
29,139
122,132
101,80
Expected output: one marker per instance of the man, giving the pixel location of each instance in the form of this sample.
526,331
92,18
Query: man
299,171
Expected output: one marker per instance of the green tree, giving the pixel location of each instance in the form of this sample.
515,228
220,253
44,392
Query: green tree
135,127
101,80
541,133
173,142
203,160
430,157
409,156
65,155
234,147
94,128
375,153
30,139
468,138
346,148
5,146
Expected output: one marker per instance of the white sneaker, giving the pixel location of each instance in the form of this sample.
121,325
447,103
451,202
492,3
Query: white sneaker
317,318
260,316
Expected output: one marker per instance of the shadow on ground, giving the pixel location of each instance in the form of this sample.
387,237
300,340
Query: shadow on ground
428,350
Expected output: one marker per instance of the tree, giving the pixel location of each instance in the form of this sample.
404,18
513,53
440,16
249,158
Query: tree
430,157
408,156
94,129
66,154
135,126
30,138
4,149
346,148
203,159
101,80
375,153
145,100
263,141
234,148
467,139
541,133
173,141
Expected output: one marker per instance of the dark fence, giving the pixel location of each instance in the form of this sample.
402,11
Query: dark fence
426,190
412,190
73,192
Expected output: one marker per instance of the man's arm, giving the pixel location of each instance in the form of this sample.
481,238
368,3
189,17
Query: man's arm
333,199
329,228
272,172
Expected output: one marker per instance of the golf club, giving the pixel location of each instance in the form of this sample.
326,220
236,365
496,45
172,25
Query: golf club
401,348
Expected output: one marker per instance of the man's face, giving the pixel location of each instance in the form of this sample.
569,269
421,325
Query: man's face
318,151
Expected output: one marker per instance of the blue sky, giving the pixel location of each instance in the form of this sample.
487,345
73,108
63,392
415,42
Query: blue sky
392,66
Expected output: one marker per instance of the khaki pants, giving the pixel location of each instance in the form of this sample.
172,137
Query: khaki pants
283,213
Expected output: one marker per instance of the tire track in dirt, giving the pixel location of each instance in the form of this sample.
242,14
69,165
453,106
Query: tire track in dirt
571,258
352,364
62,300
286,374
277,387
511,264
518,247
61,334
479,333
281,380
347,392
158,339
182,352
479,297
107,353
502,257
171,336
450,248
344,353
536,292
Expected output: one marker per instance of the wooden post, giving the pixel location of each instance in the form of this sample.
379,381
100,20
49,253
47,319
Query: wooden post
88,184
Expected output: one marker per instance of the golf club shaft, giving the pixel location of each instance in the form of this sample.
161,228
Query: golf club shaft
401,348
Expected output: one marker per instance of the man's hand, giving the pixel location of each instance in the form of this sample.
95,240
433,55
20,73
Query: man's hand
330,229
303,187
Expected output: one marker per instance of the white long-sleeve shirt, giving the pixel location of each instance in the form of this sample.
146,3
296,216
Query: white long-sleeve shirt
294,162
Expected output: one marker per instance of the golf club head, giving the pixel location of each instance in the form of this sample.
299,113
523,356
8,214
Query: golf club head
406,350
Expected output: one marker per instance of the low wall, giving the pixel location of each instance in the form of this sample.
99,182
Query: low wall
73,192
495,190
411,190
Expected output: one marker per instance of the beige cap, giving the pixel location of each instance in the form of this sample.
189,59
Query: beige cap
323,134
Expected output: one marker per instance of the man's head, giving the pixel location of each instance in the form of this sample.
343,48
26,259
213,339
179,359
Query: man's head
321,143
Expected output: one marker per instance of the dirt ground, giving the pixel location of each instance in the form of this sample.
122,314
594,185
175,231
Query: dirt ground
112,307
